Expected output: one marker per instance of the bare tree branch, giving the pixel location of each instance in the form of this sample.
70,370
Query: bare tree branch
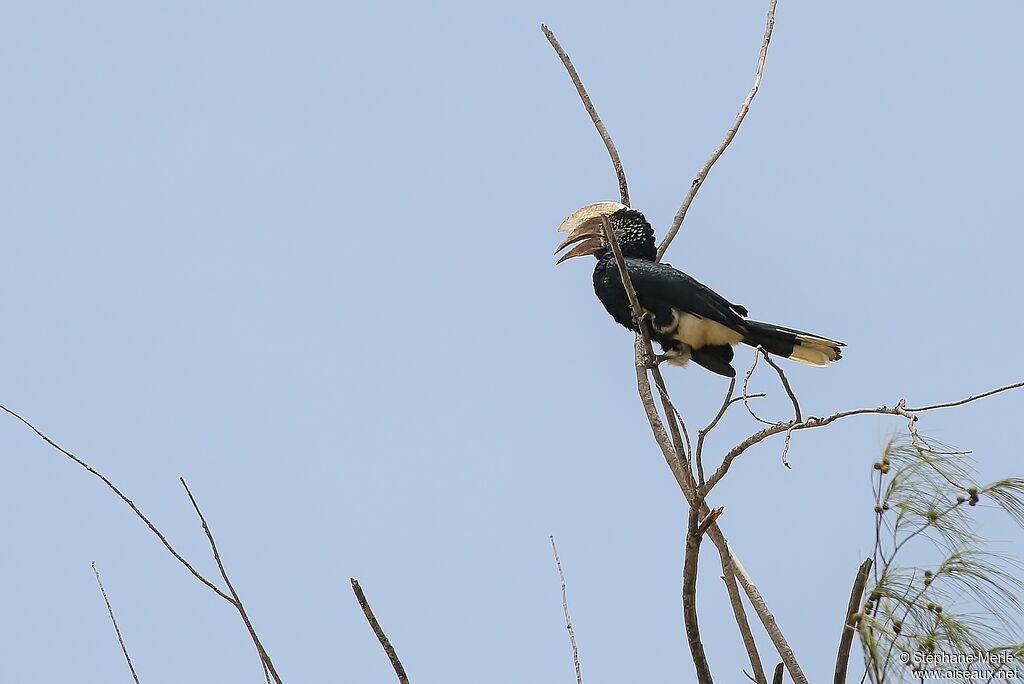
381,637
973,397
592,111
812,422
730,134
777,677
163,540
746,384
689,592
785,384
565,609
268,664
768,620
117,630
729,577
849,628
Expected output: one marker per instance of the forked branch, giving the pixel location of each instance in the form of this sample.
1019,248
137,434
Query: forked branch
268,664
231,596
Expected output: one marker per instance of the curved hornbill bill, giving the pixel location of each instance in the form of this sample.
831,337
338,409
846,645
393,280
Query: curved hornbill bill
688,319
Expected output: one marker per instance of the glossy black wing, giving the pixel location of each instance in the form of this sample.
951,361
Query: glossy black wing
656,283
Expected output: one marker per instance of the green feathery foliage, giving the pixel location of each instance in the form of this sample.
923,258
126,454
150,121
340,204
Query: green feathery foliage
967,602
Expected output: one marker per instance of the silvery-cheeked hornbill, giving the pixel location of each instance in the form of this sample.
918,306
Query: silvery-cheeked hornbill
688,319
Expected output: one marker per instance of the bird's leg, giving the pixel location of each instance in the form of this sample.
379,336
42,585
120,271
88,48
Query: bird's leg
638,320
655,360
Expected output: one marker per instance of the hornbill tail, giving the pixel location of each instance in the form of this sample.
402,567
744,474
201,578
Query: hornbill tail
793,344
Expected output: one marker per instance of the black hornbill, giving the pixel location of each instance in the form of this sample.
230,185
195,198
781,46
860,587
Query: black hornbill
688,319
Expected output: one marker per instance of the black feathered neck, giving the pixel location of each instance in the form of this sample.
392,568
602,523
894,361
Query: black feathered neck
634,234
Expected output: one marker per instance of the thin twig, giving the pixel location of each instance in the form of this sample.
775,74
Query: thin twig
730,134
729,577
849,628
768,620
268,664
159,535
973,397
746,383
813,422
381,637
797,416
592,111
117,630
785,384
568,617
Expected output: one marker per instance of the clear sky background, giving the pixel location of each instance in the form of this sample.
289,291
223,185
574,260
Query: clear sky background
301,254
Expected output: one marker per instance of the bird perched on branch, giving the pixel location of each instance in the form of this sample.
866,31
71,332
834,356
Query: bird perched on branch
688,319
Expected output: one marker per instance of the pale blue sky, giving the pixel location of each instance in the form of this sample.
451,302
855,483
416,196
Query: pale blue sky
301,255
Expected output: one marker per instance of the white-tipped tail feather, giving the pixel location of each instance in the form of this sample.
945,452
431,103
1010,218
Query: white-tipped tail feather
815,354
794,344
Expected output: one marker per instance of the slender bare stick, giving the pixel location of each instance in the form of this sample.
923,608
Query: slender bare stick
746,383
777,677
973,397
163,540
730,134
268,664
565,609
689,592
592,111
812,422
381,637
768,620
729,577
785,384
117,630
849,628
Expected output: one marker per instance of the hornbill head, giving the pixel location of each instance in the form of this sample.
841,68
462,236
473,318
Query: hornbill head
584,226
632,231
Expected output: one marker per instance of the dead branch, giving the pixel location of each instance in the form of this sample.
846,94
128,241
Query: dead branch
746,383
899,409
231,597
973,397
768,620
592,111
117,630
849,628
690,620
235,600
381,637
729,577
687,487
135,509
797,416
568,617
698,180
